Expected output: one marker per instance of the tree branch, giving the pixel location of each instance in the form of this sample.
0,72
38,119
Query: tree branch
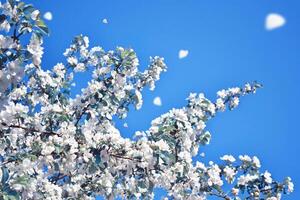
82,113
28,129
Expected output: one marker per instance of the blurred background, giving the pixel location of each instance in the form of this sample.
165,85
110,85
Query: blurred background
225,44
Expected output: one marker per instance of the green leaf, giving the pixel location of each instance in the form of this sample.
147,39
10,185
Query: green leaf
21,5
28,8
64,118
36,148
40,24
204,139
22,180
56,166
142,184
12,3
165,157
92,168
11,196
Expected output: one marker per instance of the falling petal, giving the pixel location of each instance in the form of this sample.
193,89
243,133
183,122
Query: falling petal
274,21
183,53
157,101
104,21
48,16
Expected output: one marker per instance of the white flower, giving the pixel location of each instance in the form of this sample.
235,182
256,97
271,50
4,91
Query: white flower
35,49
235,90
220,104
162,145
290,187
86,41
105,58
200,165
222,93
139,134
229,174
272,198
17,93
47,150
245,158
214,176
256,162
234,102
56,108
80,67
7,42
5,26
268,178
139,100
290,184
185,155
86,156
245,179
228,158
59,69
26,163
72,60
248,87
179,115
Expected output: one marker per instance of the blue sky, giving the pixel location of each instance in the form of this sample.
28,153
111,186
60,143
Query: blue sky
228,46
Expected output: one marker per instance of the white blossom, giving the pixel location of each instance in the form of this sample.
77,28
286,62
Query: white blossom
214,176
228,158
256,162
267,177
229,173
162,145
245,158
245,179
5,26
72,61
35,49
290,184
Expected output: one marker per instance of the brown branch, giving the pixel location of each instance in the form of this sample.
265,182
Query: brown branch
123,157
28,129
6,162
59,177
264,190
224,196
82,113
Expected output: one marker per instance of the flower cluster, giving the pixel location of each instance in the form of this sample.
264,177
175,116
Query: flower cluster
18,19
56,146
